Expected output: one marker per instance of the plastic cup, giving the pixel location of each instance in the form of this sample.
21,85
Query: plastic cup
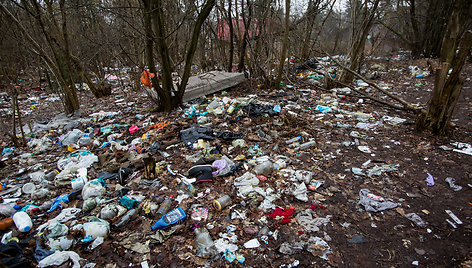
29,188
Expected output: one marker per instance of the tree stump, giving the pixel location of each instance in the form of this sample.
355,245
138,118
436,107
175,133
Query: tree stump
149,168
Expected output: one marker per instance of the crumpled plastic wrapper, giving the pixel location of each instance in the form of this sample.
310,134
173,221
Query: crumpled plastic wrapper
374,203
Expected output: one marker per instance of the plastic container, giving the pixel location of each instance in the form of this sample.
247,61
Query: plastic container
170,218
22,221
46,205
40,194
205,245
29,188
79,182
52,175
307,145
232,107
127,217
6,223
222,202
7,210
266,168
188,188
164,208
293,140
96,229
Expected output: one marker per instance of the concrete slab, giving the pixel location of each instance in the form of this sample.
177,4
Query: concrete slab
205,84
211,82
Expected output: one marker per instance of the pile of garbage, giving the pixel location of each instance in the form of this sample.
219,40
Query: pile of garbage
218,182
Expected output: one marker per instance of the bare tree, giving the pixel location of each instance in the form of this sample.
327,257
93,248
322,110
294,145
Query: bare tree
283,55
456,46
52,21
170,96
359,36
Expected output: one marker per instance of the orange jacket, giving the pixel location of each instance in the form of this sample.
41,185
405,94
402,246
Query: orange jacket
146,78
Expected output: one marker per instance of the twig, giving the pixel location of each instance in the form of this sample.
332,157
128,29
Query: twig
365,94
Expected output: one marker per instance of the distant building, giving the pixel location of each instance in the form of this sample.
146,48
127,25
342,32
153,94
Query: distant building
238,28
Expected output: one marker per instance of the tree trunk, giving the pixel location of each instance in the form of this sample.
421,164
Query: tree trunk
357,47
415,44
447,87
192,48
231,38
311,13
165,91
439,12
169,97
149,43
243,41
284,45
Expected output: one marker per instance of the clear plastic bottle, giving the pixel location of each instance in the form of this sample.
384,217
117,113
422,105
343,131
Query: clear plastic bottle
188,188
22,221
266,168
127,217
222,202
307,145
164,208
7,210
205,245
293,140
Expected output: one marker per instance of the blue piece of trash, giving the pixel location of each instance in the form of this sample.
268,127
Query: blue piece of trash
323,109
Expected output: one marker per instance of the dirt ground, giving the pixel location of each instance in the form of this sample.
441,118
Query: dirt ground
355,237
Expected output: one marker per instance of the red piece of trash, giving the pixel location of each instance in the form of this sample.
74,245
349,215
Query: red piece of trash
133,129
313,207
284,213
262,178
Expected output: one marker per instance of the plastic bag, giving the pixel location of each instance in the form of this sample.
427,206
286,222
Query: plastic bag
57,229
59,257
93,189
375,203
98,228
71,137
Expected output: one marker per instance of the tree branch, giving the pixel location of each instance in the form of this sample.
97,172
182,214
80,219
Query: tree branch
406,105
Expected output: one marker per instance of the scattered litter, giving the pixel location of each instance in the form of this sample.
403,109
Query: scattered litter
375,203
452,184
430,180
463,148
253,243
416,219
453,216
59,257
357,239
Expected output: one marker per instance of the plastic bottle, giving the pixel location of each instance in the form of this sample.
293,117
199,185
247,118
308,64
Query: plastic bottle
188,188
46,205
164,208
7,210
127,217
170,218
293,140
6,223
266,168
51,175
22,221
205,245
306,145
232,107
